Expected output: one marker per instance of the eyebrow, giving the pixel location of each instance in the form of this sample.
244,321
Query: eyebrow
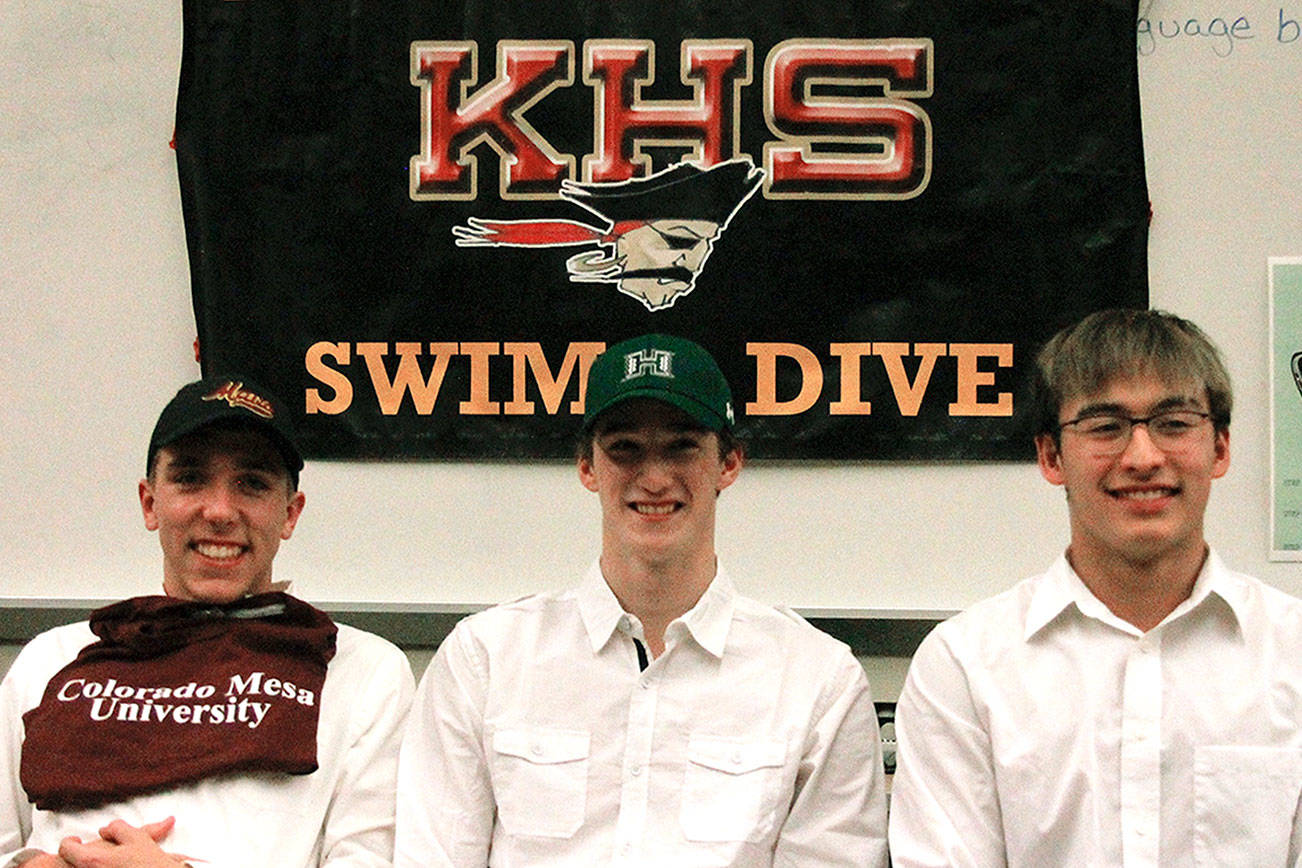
243,461
616,428
1112,408
677,227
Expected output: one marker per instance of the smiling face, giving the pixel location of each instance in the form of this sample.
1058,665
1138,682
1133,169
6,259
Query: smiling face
1143,505
221,502
660,261
658,475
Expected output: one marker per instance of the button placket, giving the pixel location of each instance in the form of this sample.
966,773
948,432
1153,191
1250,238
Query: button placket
1141,751
636,780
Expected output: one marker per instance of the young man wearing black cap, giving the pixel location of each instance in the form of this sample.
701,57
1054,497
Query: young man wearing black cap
650,716
224,722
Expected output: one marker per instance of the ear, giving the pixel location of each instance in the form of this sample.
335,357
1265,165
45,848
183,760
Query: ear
730,469
292,512
586,474
1222,454
146,493
1049,458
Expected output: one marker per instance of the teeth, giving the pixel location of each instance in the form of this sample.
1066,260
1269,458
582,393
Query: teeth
1148,494
213,550
649,509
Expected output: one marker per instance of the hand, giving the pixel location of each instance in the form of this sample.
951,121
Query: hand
122,845
45,860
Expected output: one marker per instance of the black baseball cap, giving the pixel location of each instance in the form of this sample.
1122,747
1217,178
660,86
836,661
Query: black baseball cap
224,399
666,368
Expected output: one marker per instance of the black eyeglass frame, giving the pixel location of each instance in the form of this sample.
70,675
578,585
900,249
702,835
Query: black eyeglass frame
1123,438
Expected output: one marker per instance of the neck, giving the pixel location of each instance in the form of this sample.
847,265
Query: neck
657,592
1141,592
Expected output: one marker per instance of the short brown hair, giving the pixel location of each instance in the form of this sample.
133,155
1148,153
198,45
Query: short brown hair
1083,358
727,439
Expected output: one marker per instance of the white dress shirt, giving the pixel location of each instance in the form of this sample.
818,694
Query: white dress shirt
1039,729
536,741
341,814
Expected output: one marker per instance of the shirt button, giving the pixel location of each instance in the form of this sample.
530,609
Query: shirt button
535,749
636,770
645,683
736,757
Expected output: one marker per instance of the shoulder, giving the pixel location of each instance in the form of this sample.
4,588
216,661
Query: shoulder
354,647
41,659
69,638
783,620
364,658
53,649
354,643
525,607
498,644
1261,604
982,632
516,621
791,635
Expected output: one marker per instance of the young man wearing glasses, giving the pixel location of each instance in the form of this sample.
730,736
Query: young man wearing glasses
1139,703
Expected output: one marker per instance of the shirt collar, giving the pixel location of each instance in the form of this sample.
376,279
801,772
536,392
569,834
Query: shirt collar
707,622
1053,593
1060,588
1216,580
598,607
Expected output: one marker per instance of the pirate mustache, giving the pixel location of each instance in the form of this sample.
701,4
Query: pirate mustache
672,273
594,266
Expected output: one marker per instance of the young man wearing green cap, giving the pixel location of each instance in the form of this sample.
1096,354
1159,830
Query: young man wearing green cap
651,715
223,722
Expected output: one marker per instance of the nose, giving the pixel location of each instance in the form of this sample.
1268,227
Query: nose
219,504
653,473
1141,452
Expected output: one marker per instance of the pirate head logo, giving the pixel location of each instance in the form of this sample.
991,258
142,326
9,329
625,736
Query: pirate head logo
1297,371
656,232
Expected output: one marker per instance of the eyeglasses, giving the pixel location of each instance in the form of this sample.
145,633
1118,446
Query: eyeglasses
1109,435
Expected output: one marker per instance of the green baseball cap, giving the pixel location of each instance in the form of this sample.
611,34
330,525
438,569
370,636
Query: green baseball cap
665,368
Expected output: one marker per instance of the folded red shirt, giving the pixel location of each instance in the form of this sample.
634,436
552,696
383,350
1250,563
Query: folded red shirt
175,692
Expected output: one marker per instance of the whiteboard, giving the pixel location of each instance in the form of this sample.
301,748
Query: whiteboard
96,331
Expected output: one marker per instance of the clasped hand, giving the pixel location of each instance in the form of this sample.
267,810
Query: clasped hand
120,845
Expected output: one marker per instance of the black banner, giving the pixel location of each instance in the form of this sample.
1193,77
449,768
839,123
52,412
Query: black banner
418,222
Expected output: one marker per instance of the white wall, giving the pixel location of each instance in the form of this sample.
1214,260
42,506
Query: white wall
96,331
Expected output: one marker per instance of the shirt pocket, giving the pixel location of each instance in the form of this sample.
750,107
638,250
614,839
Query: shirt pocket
731,788
1245,799
540,780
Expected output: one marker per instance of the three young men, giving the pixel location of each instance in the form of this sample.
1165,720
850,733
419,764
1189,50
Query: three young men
224,722
1139,703
651,715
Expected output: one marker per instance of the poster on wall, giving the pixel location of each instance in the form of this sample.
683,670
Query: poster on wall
1285,408
420,222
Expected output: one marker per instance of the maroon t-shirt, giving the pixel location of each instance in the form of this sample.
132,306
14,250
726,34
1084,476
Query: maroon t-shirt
174,692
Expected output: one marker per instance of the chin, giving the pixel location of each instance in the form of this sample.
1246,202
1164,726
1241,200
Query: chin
215,591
